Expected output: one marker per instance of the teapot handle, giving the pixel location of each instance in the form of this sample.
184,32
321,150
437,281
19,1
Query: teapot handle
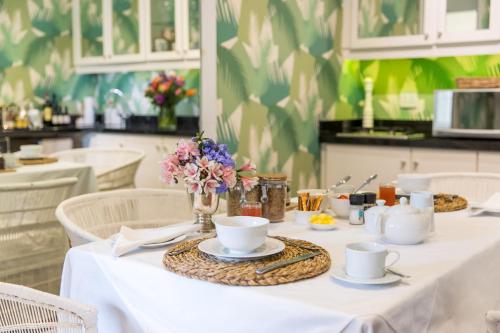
379,225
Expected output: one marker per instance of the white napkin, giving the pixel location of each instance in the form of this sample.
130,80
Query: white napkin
129,239
492,205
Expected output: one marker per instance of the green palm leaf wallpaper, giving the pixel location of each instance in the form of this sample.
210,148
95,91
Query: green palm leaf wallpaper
278,64
36,56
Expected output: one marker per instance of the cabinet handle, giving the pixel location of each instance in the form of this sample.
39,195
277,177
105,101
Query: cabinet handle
415,166
402,165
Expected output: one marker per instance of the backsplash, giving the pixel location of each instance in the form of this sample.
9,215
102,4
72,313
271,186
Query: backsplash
36,59
396,81
278,62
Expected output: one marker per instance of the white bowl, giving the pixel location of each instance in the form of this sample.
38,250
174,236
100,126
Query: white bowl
341,207
412,182
317,226
30,151
302,217
241,234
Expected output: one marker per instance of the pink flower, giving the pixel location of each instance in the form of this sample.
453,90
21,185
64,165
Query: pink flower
210,186
248,167
203,163
249,182
215,170
167,177
191,171
229,176
186,149
193,187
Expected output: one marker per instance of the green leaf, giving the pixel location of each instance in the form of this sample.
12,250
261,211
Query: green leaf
227,26
229,69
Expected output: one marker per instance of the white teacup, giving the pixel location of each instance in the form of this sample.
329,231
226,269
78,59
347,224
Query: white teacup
424,201
302,217
367,260
241,234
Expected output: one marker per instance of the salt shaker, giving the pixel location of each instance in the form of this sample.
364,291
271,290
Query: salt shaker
356,214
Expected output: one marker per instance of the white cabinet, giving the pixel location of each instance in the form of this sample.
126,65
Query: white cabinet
126,35
154,146
442,160
360,162
488,162
420,28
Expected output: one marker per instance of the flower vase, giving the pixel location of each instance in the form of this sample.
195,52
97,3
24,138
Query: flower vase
204,206
167,119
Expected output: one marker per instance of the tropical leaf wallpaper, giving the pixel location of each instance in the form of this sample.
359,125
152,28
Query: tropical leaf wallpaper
278,64
36,55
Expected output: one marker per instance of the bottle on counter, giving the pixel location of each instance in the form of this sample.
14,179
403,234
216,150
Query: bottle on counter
35,118
47,112
356,209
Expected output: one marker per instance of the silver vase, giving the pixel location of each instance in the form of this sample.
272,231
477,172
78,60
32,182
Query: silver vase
204,206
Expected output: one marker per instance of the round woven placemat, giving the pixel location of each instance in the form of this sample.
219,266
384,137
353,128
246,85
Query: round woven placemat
36,161
198,265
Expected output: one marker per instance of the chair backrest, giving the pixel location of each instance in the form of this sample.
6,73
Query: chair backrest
32,243
96,216
475,186
114,168
24,309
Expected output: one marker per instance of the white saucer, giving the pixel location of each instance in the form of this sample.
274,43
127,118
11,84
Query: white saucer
213,247
340,274
317,226
162,244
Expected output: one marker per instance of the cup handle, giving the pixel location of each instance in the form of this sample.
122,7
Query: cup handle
395,260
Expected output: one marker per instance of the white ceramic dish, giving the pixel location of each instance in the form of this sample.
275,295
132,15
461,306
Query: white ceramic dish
340,207
316,226
30,151
302,217
241,234
213,247
162,244
339,273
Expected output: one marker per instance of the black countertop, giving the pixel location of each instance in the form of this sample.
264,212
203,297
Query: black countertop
329,130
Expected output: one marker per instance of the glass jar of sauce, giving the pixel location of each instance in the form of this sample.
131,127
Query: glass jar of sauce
273,191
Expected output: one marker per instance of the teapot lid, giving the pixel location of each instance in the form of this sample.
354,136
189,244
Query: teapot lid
403,208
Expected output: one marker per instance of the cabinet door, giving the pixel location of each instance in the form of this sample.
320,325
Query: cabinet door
386,23
191,26
89,31
488,162
442,160
164,29
362,161
468,21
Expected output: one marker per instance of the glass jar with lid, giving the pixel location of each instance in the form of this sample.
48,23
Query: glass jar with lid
237,196
273,191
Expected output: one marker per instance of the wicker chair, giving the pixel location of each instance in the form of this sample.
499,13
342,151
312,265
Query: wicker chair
32,242
475,186
97,216
24,310
114,168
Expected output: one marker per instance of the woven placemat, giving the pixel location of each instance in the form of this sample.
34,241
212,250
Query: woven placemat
198,265
7,170
36,161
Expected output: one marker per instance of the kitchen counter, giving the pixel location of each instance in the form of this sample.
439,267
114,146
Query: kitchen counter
329,130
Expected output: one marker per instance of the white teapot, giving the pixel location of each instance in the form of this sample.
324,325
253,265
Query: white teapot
403,224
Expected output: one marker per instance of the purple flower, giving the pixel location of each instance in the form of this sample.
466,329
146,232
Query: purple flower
221,189
217,152
159,99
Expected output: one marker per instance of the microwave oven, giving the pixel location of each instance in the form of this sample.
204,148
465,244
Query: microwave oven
467,113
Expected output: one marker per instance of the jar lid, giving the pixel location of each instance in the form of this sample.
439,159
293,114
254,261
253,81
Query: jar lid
370,198
356,199
272,176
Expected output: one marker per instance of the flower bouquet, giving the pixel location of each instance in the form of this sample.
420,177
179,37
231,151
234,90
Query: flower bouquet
165,91
208,170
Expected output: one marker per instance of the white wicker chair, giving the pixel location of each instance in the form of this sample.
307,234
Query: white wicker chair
32,242
475,186
114,168
493,322
25,310
97,216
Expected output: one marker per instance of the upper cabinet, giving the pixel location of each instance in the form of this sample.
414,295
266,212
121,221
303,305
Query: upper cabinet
117,35
420,28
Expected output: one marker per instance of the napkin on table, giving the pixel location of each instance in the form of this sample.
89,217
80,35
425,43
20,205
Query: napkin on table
129,239
491,205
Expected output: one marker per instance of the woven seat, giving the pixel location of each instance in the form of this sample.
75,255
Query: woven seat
32,242
97,216
474,186
24,310
114,168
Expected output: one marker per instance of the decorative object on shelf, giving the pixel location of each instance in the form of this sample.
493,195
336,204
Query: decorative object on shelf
165,91
477,82
208,170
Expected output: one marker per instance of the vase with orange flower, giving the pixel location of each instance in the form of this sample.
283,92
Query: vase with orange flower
165,91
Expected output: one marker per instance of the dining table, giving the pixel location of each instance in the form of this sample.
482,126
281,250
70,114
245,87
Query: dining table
454,280
87,182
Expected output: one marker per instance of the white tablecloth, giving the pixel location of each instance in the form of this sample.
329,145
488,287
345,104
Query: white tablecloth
455,280
87,182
